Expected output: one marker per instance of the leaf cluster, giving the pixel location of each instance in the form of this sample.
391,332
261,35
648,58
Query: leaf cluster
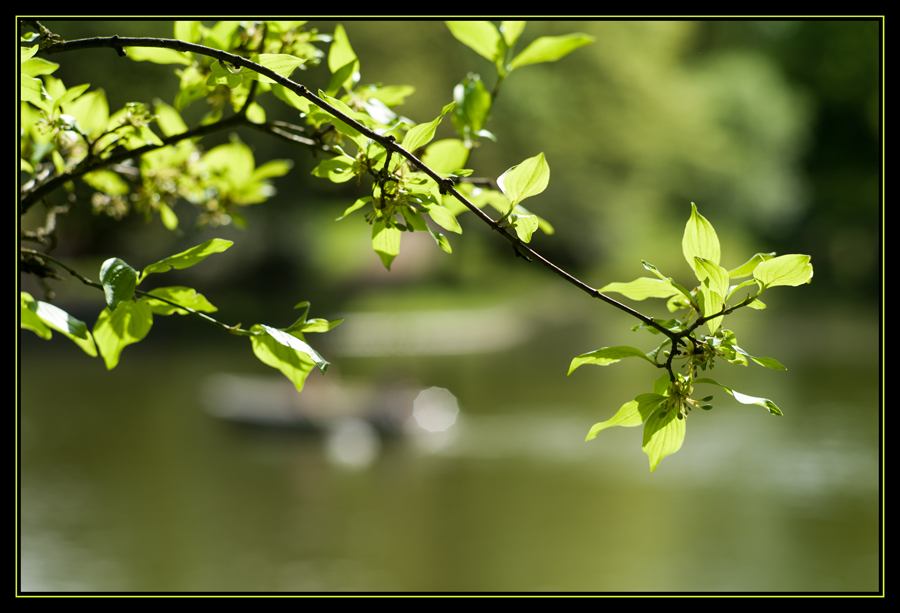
663,411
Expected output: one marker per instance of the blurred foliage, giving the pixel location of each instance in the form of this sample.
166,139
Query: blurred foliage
772,127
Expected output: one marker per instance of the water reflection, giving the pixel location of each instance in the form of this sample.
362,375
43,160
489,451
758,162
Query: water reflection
129,486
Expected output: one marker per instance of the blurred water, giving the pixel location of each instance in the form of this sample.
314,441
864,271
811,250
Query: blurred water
127,484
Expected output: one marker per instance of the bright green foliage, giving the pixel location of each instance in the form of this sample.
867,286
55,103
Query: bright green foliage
145,158
664,411
42,317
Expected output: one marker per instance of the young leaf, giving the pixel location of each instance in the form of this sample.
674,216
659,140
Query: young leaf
187,258
607,355
746,269
114,330
340,55
119,280
385,242
632,413
442,216
743,398
423,133
642,288
511,30
281,63
473,107
41,317
699,239
550,49
767,362
790,270
713,287
524,225
482,37
360,202
683,290
278,349
663,435
157,55
525,180
445,156
184,296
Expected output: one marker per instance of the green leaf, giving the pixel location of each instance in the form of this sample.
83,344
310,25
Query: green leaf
38,66
281,63
525,180
747,268
337,169
473,107
158,55
41,317
700,240
743,398
118,280
511,30
285,352
767,362
683,290
32,90
188,258
168,119
360,202
524,225
340,54
92,112
632,413
423,133
642,288
663,435
793,270
442,216
445,156
482,37
341,76
184,296
114,330
343,127
385,242
608,355
550,49
713,287
28,317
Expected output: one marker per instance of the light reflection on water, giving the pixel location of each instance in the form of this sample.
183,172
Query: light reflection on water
151,493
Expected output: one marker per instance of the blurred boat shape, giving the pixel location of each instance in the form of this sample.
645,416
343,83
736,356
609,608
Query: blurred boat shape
390,408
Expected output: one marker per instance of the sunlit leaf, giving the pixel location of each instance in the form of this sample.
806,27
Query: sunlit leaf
642,288
608,355
747,268
423,133
281,63
700,239
793,270
189,257
385,242
663,435
157,55
550,49
632,413
524,180
480,36
119,280
184,296
743,398
114,330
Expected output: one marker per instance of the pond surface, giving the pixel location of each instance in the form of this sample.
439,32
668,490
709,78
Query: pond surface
127,483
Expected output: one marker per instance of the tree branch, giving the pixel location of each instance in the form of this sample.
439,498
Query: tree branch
446,185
